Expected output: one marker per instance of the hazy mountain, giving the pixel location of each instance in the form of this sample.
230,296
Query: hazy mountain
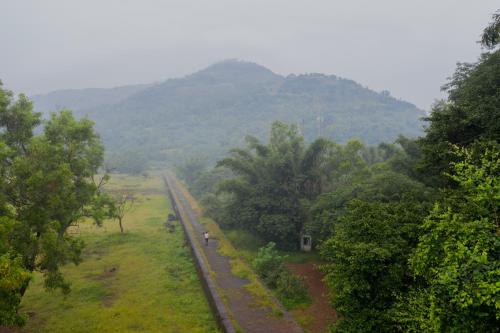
210,111
78,99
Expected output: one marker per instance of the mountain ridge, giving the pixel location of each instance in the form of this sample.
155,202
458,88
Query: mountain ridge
210,111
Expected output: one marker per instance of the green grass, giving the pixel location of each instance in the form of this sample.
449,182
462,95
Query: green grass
297,257
140,281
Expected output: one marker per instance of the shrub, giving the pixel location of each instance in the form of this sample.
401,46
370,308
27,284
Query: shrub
269,264
290,289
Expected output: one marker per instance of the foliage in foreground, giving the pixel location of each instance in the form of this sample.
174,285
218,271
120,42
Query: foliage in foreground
470,115
440,271
367,262
457,261
12,278
401,266
47,184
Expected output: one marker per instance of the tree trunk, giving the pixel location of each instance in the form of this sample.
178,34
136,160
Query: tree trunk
24,287
121,226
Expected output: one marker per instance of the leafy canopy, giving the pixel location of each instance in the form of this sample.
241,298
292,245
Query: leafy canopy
272,182
47,185
458,257
470,115
491,34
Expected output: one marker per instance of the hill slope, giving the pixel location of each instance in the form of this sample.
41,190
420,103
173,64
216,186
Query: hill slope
78,99
212,110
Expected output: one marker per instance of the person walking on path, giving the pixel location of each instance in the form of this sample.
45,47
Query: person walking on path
206,236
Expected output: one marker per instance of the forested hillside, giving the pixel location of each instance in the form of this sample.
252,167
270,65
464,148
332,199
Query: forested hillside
212,110
81,99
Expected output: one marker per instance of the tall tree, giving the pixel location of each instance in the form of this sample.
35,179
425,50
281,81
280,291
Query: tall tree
470,115
367,262
491,34
457,262
373,226
272,182
47,186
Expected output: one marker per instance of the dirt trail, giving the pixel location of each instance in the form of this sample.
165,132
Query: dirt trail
320,310
251,317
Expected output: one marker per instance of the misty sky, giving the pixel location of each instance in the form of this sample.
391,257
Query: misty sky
406,47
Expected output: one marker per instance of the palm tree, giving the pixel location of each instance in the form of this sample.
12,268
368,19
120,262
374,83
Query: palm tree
273,181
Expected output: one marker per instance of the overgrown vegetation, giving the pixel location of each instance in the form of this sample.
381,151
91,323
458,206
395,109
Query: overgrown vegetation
290,289
457,260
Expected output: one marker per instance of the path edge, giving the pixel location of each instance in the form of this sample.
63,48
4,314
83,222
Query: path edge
217,306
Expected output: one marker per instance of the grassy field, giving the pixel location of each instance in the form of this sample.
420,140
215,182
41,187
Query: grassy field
141,281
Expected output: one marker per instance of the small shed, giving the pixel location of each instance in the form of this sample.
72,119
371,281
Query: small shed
305,243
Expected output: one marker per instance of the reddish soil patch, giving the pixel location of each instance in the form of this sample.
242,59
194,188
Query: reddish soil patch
320,310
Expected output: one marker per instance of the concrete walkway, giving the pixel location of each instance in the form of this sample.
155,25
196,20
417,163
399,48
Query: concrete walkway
250,317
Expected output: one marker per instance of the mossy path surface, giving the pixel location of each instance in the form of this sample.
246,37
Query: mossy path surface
141,281
250,304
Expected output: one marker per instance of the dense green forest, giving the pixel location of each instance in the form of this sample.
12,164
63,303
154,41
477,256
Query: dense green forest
210,111
409,231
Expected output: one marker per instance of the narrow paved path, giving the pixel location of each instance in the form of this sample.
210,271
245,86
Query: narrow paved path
251,317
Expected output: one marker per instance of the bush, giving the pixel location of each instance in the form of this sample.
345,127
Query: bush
290,289
269,264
